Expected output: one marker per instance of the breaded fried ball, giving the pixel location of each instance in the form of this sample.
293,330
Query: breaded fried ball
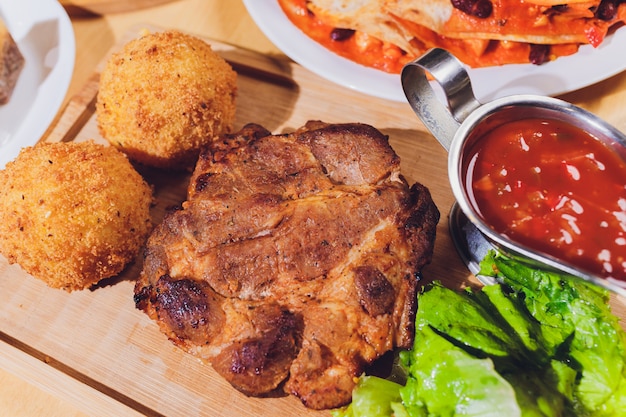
72,214
163,96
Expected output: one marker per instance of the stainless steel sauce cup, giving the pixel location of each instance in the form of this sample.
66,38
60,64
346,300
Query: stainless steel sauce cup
449,109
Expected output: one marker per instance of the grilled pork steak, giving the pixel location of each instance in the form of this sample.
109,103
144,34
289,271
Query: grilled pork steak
295,260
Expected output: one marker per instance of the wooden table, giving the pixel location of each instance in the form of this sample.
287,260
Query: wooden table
24,394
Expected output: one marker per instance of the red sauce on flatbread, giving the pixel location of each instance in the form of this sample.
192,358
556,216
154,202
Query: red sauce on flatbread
371,52
359,48
513,18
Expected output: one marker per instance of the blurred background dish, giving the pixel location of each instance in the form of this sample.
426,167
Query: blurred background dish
101,7
270,18
588,66
44,34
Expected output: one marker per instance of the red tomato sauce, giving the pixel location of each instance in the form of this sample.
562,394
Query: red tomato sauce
555,188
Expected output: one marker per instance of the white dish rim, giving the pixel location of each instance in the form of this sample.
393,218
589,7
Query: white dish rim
23,20
551,79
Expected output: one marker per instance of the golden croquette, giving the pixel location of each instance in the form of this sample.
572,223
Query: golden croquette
163,96
72,214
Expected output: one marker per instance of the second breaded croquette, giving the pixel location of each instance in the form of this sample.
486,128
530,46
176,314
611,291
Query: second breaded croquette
72,214
163,96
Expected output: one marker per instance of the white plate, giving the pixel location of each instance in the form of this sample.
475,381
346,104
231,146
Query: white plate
44,34
565,74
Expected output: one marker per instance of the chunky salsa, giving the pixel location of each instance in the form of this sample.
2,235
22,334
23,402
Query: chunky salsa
556,188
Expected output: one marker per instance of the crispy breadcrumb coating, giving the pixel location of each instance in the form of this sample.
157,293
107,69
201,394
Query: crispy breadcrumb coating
72,214
163,96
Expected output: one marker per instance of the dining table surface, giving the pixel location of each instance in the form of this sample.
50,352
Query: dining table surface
100,24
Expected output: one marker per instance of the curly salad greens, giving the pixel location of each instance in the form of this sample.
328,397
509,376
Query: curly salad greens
535,344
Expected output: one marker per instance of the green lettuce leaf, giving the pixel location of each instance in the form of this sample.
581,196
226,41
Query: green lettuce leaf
576,320
374,397
461,318
446,380
536,344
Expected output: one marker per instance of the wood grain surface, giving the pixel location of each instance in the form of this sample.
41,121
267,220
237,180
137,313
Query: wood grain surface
109,357
101,7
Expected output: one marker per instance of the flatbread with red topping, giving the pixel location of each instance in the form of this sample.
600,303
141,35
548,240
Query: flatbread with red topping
386,34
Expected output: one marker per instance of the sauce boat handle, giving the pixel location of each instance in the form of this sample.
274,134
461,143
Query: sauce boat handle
442,121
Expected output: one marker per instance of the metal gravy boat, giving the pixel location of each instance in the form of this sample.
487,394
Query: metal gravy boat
458,120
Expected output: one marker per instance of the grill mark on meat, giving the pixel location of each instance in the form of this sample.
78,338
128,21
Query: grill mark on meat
295,260
224,222
263,167
376,294
417,226
256,366
190,308
354,154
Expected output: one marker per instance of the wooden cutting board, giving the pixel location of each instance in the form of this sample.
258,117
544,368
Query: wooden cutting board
94,349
